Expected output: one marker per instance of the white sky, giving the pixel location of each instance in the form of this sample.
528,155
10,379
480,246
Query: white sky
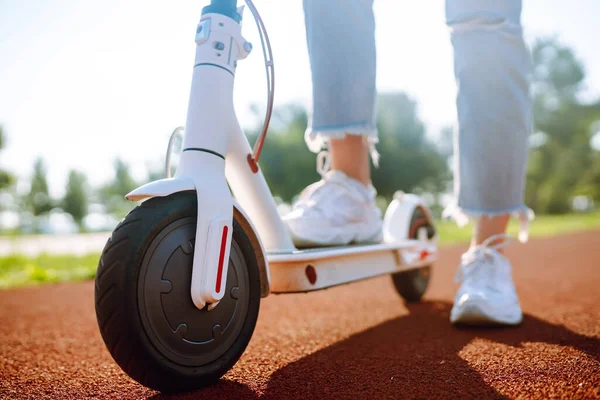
82,82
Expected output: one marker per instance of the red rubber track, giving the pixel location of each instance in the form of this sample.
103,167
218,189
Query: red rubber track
355,341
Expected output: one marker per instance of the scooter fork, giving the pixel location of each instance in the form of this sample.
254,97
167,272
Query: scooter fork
210,121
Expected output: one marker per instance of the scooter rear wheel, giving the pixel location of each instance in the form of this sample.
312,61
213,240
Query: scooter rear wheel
143,304
412,284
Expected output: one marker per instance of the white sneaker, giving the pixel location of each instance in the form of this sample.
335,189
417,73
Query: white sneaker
487,294
337,210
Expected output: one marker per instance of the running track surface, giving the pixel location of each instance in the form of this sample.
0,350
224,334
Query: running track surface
354,341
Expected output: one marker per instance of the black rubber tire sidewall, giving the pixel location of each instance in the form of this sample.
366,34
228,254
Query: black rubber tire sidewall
124,334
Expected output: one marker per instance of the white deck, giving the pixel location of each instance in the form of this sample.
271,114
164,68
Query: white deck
314,269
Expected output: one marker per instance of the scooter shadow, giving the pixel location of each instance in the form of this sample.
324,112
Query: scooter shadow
413,356
222,390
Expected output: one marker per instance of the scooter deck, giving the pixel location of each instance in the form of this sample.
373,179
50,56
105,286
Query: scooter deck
319,268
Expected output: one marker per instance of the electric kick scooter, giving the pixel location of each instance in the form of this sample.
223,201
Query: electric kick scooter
180,280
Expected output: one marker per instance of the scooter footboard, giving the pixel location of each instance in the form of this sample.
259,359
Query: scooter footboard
315,269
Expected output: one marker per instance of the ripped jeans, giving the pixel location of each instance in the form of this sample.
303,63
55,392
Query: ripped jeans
492,67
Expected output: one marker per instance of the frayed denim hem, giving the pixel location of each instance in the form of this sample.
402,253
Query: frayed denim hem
316,137
462,216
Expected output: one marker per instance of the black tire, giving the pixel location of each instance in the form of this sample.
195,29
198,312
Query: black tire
143,303
412,284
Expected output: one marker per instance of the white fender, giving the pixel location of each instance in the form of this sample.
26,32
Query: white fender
396,222
161,188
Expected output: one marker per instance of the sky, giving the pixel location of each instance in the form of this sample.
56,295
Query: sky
82,82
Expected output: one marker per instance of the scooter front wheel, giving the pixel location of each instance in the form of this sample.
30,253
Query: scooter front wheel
143,303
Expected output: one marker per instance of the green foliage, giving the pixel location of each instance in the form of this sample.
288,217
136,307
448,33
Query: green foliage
564,165
113,193
542,226
123,182
6,179
286,162
590,181
18,270
75,201
38,200
556,68
408,160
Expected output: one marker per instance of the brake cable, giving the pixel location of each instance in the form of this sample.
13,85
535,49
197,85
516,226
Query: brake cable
270,71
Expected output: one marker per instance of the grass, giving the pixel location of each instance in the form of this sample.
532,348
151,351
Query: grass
20,270
542,226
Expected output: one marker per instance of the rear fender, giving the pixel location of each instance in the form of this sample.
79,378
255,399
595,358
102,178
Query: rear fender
396,222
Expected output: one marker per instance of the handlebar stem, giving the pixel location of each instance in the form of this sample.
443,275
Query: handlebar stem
224,7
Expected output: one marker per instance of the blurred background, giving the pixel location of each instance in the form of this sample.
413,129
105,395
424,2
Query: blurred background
90,91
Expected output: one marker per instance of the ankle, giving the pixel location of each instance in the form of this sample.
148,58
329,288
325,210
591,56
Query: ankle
487,227
350,155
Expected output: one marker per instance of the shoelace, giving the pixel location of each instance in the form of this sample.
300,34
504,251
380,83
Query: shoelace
323,167
324,159
471,264
323,163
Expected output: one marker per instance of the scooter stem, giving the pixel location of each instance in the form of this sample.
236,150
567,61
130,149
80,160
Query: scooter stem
212,134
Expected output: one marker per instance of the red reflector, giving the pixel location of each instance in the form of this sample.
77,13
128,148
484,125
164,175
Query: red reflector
221,259
424,254
311,274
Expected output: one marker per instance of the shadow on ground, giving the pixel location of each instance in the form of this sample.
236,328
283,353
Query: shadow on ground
415,356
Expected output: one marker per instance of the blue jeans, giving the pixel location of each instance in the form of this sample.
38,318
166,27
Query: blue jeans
492,67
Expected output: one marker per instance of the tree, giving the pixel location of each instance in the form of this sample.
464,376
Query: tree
113,193
75,201
6,179
123,182
408,160
287,164
38,199
563,165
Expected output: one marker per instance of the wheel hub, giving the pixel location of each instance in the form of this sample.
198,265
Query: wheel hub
180,331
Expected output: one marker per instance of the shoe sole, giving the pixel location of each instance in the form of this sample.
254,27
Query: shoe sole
475,314
303,243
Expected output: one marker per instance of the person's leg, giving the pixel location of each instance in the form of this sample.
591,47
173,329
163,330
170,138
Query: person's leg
486,227
492,67
341,208
341,45
351,156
